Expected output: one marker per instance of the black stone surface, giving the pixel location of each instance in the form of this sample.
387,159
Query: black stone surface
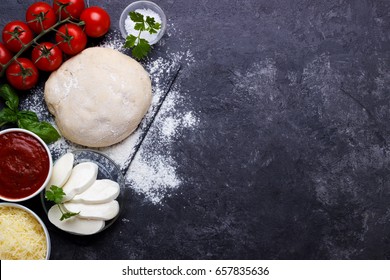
290,159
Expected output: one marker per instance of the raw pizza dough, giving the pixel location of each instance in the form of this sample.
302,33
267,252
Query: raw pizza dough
98,97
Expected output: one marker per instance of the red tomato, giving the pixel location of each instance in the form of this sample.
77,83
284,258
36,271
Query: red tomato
15,34
47,57
22,74
68,8
40,16
97,21
5,55
71,38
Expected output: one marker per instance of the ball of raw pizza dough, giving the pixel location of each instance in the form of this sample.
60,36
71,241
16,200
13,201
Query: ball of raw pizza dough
98,97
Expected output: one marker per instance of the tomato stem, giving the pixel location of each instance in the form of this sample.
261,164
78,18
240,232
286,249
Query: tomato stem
24,72
62,6
34,41
45,52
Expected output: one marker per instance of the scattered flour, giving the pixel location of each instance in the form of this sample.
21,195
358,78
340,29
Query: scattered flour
34,102
113,40
153,169
169,127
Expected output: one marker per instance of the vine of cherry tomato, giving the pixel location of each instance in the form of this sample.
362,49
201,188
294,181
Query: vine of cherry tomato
69,39
16,34
5,55
68,8
40,16
47,56
97,21
22,74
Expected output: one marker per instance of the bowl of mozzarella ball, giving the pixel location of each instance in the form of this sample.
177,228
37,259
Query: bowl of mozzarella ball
83,194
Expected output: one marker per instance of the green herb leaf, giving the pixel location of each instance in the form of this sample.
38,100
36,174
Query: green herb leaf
140,26
136,17
55,194
153,31
130,41
10,97
24,119
141,50
141,47
153,25
43,129
28,115
150,21
67,215
7,116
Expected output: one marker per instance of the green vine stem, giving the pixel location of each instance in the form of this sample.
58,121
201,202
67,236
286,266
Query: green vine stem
35,41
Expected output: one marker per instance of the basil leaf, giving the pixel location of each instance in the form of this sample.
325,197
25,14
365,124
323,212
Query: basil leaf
10,97
7,116
28,115
43,129
25,119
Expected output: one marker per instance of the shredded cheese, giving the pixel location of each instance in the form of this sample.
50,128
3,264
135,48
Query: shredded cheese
21,235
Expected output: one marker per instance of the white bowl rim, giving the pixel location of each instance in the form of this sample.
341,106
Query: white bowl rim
47,235
161,13
50,164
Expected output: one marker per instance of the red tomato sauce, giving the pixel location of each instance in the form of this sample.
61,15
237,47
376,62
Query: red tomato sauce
24,165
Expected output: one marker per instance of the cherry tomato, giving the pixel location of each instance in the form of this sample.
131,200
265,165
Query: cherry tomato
14,30
40,16
68,8
47,56
5,55
22,74
97,21
71,38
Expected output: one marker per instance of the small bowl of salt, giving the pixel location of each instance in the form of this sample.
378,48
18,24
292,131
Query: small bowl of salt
147,9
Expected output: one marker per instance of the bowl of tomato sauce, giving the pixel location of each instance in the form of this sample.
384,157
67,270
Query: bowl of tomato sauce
25,165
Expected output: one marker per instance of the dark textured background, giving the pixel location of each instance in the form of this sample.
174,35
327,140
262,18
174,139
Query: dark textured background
290,159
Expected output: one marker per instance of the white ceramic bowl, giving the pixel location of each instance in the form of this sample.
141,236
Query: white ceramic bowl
43,186
143,5
47,236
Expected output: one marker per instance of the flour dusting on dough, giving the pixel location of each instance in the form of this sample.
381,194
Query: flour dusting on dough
153,170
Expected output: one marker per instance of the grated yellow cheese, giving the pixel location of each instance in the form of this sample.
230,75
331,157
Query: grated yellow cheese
21,235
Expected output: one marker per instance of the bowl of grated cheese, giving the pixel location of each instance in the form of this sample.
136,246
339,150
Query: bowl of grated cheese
23,235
